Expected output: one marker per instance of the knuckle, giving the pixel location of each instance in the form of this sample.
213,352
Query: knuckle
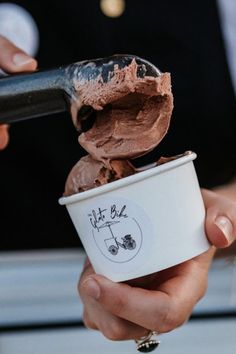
166,327
86,272
88,322
171,322
202,290
168,320
114,331
81,290
177,314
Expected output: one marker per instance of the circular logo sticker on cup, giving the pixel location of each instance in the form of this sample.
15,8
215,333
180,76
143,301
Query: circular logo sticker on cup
118,227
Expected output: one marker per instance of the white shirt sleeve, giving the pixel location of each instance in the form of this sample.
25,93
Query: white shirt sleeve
227,10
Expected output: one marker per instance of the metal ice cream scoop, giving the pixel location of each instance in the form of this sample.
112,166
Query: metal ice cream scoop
30,95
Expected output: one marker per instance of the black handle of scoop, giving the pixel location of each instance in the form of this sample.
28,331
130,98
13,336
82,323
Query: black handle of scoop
31,95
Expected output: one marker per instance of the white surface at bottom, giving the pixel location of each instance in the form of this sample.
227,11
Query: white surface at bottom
204,337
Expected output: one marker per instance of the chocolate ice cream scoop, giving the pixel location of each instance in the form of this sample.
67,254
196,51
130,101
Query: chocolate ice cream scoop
132,113
40,93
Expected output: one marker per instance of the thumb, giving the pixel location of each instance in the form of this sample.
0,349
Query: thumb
220,230
13,59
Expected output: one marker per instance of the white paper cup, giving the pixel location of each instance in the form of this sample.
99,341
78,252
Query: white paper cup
143,223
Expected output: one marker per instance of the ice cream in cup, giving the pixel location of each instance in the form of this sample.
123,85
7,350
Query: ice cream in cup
133,222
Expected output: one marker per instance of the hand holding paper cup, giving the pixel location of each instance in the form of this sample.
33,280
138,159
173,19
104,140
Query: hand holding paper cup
133,222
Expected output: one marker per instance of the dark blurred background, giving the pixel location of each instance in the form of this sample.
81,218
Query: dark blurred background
182,37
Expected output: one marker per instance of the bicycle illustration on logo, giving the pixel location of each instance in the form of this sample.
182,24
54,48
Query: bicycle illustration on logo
112,243
117,233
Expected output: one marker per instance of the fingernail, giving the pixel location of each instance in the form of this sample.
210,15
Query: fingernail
225,225
21,59
92,288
